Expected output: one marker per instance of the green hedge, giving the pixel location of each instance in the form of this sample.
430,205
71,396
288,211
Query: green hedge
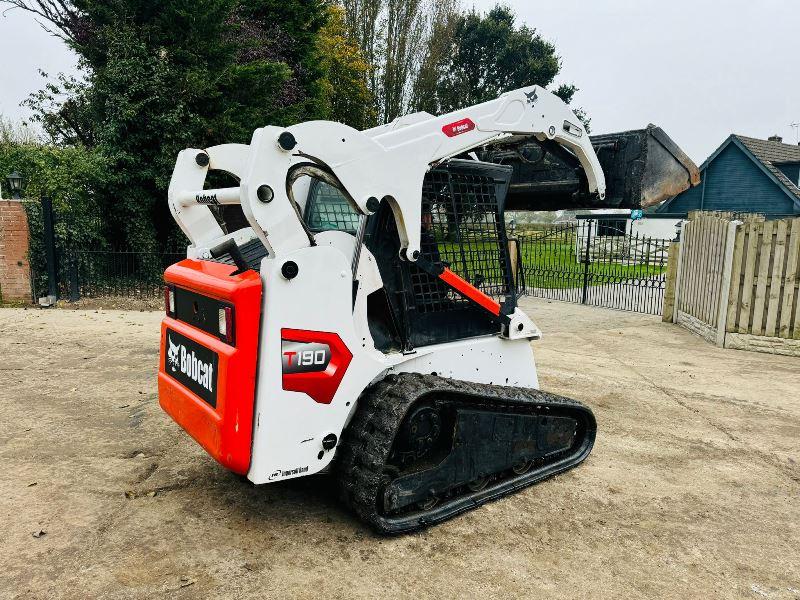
68,176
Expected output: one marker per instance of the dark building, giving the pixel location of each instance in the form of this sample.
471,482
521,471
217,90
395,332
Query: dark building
745,175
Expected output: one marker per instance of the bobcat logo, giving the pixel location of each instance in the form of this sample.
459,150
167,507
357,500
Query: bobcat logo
172,354
532,97
188,363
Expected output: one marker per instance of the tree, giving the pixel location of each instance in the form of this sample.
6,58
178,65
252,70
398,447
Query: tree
69,176
61,108
16,133
161,75
361,18
403,46
489,55
443,21
430,55
346,82
393,36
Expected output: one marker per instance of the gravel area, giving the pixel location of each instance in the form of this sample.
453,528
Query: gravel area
691,490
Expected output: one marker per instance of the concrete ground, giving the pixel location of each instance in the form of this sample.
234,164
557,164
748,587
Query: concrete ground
691,491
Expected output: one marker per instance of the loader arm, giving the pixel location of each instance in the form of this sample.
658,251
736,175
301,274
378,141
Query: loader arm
383,164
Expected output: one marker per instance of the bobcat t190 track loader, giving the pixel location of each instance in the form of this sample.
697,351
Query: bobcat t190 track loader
364,321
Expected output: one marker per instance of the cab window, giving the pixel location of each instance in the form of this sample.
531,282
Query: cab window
327,209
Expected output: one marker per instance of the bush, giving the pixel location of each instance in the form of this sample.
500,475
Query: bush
69,177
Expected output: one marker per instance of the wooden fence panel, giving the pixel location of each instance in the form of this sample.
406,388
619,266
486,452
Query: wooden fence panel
702,256
721,237
686,294
706,291
737,271
765,255
683,285
745,309
790,280
775,279
712,279
738,282
764,294
796,330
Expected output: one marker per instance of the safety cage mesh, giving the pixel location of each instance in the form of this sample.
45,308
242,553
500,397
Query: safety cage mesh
463,230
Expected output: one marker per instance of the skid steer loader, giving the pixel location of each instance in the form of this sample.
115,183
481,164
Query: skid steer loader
364,321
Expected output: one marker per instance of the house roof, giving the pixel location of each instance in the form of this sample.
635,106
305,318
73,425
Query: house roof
774,153
766,154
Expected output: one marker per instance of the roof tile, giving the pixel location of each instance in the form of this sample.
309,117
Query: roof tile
774,153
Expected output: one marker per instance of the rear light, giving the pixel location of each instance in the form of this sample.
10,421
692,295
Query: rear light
169,300
226,323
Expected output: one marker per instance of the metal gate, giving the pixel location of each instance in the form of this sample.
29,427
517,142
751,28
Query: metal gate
65,266
594,262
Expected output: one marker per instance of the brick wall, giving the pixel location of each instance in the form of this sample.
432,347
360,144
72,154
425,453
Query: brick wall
15,279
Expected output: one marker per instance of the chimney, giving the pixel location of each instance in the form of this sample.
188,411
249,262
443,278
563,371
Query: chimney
775,138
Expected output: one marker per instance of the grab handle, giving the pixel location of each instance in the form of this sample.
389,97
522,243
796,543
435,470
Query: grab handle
229,246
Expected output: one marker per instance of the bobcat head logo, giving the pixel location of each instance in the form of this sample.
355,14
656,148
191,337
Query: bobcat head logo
532,97
172,354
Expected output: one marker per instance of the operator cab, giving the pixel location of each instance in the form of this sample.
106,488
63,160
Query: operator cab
462,229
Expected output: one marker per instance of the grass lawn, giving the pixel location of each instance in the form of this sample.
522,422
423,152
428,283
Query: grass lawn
550,262
553,264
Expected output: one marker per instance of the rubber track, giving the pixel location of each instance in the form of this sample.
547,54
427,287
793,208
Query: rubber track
366,443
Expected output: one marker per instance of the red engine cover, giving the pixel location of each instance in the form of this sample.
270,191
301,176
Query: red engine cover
223,427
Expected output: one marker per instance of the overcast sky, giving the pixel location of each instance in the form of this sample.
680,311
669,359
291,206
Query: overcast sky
701,69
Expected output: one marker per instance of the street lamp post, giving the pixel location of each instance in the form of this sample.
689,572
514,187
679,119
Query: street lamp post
15,185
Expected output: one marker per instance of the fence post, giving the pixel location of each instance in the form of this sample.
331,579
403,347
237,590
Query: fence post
74,288
725,283
586,261
679,274
671,288
50,250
